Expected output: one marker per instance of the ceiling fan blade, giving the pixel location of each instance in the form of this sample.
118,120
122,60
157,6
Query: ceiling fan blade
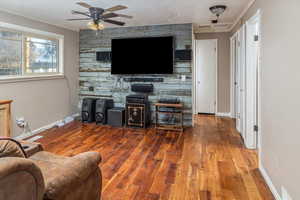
83,4
125,16
80,13
109,15
79,19
114,22
115,8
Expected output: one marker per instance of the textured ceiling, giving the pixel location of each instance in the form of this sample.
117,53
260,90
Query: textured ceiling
145,12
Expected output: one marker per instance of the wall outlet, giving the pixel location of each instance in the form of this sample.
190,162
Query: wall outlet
20,122
285,195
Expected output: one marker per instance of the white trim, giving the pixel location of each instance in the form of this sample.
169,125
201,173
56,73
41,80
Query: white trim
212,28
195,75
232,75
25,29
223,115
269,182
251,71
194,70
217,73
14,79
257,16
194,97
44,128
39,130
219,114
41,21
242,14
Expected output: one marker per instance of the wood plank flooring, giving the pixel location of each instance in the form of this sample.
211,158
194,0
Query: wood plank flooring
207,162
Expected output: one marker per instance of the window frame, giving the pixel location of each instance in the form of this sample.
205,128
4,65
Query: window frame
29,32
24,42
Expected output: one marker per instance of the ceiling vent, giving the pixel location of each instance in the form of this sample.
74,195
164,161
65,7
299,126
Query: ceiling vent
211,28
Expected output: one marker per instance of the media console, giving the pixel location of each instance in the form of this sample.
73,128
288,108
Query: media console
143,79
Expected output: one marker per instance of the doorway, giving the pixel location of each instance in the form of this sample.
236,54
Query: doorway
206,76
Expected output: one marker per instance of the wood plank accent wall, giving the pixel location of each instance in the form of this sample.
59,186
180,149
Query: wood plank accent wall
96,80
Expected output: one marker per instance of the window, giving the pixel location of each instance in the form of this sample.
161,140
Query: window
10,53
41,55
26,54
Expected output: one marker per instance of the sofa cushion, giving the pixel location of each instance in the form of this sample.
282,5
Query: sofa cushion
20,178
11,148
62,174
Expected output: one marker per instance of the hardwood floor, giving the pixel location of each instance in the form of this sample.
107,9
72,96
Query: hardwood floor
207,162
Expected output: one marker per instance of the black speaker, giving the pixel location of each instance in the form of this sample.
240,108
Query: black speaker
88,110
142,88
104,56
102,105
116,117
137,79
183,55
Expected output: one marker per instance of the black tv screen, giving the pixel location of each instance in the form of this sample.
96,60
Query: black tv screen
151,55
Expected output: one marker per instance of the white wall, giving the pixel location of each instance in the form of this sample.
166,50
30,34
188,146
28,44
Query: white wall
280,91
45,101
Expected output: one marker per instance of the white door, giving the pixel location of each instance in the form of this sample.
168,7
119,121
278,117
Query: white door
237,74
252,62
239,80
206,76
243,80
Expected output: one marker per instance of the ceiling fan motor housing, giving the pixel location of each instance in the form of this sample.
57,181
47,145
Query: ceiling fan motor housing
96,13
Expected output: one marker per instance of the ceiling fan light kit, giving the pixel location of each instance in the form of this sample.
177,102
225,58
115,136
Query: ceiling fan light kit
98,15
218,9
95,26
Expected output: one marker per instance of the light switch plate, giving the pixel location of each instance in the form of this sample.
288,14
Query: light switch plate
183,78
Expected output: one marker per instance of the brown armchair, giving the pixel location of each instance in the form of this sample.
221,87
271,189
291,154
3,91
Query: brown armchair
46,176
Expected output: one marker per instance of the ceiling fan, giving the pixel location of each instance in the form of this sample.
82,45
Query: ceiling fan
98,15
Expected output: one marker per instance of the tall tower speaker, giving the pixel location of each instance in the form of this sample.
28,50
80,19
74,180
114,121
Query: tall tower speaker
88,110
102,105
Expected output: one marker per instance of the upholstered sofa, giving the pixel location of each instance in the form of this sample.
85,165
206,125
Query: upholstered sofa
46,176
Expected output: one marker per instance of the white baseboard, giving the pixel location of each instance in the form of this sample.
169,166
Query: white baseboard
269,182
44,128
223,114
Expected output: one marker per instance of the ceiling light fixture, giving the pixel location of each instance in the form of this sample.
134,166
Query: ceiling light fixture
217,10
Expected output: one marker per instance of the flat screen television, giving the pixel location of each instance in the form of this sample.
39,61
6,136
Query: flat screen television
151,55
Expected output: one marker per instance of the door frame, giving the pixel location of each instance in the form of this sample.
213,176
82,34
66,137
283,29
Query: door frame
195,75
237,69
257,18
252,84
232,76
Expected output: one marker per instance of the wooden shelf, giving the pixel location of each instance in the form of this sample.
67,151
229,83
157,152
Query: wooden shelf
168,112
169,105
178,111
169,129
